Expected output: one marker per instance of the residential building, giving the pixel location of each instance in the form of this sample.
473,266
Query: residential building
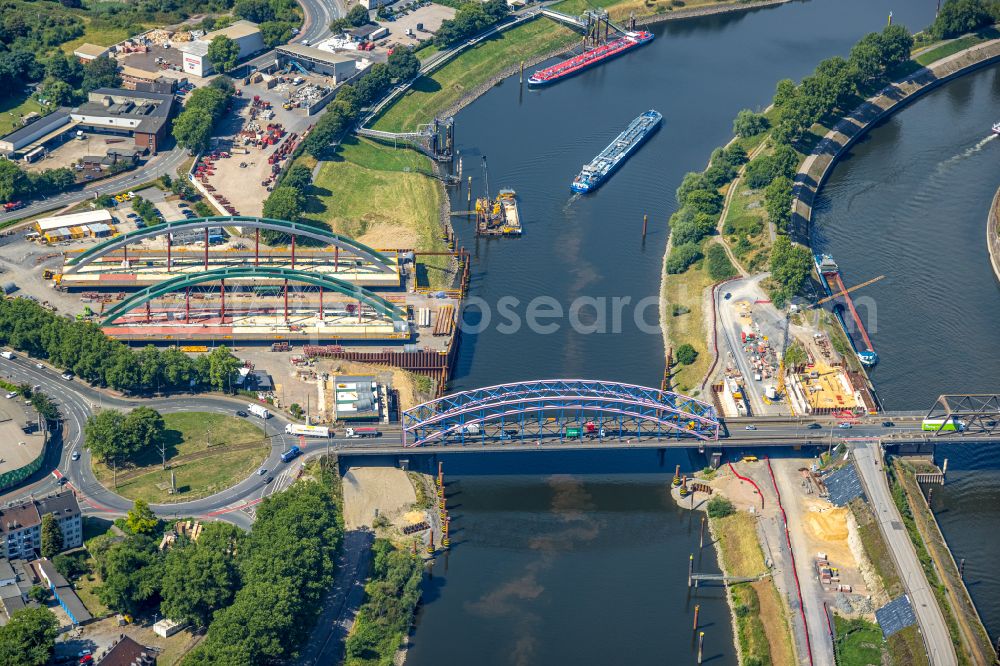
21,525
127,652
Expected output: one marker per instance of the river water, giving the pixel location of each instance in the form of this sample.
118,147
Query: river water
568,563
910,202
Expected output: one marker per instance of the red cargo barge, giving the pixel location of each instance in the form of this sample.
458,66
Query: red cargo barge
594,56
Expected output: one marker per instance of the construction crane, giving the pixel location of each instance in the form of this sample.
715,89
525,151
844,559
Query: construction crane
846,291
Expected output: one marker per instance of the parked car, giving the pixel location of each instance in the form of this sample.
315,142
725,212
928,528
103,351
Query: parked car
67,376
12,395
845,425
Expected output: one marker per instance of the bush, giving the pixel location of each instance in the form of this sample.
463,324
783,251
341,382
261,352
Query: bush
705,201
682,256
686,354
748,123
720,507
687,226
678,310
717,262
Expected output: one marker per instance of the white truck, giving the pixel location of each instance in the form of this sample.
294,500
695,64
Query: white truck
357,433
258,410
307,430
471,429
7,355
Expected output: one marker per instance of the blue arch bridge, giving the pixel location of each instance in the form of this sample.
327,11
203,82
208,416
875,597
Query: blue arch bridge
559,409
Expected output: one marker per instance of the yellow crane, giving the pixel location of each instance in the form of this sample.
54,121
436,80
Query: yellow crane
847,291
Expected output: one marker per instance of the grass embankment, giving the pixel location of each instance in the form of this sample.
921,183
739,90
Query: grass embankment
688,288
622,9
762,628
100,33
971,641
384,197
952,47
432,95
906,647
206,452
13,108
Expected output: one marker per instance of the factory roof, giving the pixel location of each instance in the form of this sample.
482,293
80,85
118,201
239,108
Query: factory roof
45,124
90,51
235,31
59,221
315,54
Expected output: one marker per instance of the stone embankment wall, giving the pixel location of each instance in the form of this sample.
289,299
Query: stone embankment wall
993,233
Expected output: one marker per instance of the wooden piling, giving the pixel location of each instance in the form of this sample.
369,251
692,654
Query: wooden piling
701,540
696,609
690,568
701,645
645,223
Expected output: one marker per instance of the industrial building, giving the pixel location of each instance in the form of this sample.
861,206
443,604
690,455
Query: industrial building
195,59
144,116
88,52
93,223
368,33
35,135
339,66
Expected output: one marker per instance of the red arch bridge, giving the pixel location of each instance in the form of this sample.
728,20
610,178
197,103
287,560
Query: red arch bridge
559,409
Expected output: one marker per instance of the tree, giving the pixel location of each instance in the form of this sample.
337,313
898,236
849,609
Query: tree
705,201
39,594
790,268
284,203
203,576
140,519
784,92
13,181
142,428
403,65
101,73
693,180
357,16
102,435
795,355
778,202
58,93
748,123
224,53
258,11
29,638
688,226
717,262
682,256
685,354
275,33
132,572
299,177
222,368
193,129
52,537
958,17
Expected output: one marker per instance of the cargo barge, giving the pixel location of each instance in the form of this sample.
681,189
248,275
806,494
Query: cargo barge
829,276
499,217
612,157
589,58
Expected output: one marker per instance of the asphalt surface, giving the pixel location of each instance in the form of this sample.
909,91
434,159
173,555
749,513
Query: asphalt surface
940,649
319,14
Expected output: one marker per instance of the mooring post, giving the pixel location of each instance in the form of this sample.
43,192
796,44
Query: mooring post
701,645
690,568
522,72
470,193
961,568
944,468
645,222
696,609
701,542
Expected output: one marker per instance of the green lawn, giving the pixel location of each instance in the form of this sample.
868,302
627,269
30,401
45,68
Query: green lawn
432,95
383,197
100,33
11,110
190,433
858,643
956,45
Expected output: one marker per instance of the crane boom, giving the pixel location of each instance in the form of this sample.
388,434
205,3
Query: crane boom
847,291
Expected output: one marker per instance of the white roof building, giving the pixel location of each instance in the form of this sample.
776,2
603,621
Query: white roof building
76,219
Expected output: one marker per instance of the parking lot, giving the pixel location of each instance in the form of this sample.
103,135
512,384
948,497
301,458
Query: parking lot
72,150
429,17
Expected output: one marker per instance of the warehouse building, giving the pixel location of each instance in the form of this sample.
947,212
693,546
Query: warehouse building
93,223
88,52
35,135
144,116
339,66
195,59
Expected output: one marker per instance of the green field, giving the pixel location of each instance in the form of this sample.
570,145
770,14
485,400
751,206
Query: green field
11,110
100,33
433,94
956,45
858,643
212,437
383,197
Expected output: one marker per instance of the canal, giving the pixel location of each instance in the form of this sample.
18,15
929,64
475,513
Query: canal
570,561
910,201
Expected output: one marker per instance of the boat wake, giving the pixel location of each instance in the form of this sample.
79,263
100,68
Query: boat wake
968,152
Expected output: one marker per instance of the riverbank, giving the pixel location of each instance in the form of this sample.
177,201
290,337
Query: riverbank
993,233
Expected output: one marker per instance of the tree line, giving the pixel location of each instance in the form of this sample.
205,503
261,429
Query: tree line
82,348
275,18
115,437
205,107
391,596
471,19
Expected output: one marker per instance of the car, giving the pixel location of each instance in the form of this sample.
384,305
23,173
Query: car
268,480
262,471
845,425
12,395
75,455
814,426
888,424
39,366
182,205
750,427
83,653
241,413
728,296
63,480
67,376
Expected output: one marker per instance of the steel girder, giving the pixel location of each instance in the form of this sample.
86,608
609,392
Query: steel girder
355,292
451,416
978,413
377,259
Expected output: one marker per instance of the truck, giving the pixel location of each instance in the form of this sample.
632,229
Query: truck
357,433
307,430
950,425
258,410
291,454
471,429
7,355
573,432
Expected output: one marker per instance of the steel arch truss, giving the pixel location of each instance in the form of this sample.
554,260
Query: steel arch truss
970,413
554,407
376,258
140,298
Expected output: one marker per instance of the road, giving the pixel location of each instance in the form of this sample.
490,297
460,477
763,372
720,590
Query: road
319,14
868,459
166,162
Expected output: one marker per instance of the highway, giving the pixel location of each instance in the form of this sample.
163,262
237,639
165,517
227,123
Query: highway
319,14
940,649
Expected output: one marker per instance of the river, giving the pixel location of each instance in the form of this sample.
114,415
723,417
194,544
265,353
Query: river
568,563
910,202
